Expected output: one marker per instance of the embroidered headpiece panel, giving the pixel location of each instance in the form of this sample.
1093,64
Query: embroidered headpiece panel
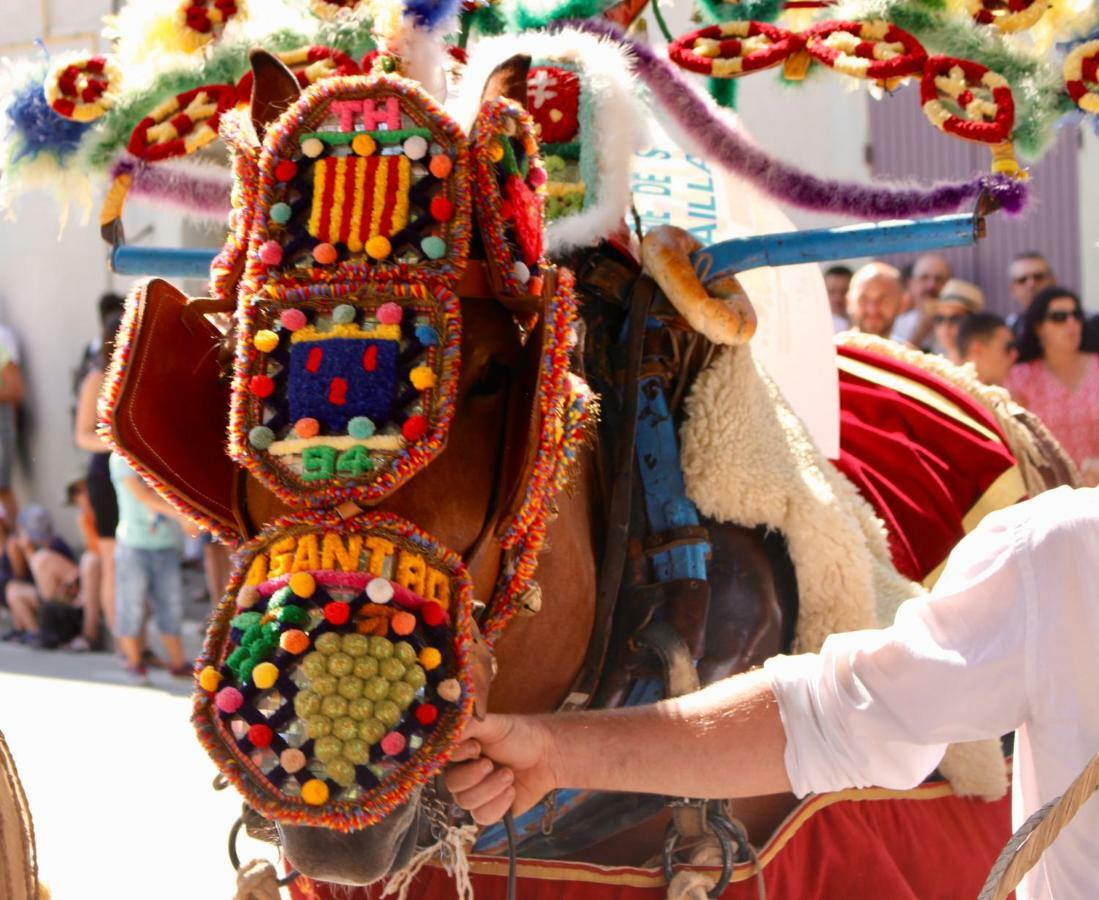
337,668
509,183
362,180
347,397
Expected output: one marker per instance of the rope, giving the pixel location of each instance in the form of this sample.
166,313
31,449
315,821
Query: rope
1037,833
451,847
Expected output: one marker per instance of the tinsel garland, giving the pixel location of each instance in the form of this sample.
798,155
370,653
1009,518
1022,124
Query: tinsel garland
754,10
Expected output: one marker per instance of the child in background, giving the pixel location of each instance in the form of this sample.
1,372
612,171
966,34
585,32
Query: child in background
148,556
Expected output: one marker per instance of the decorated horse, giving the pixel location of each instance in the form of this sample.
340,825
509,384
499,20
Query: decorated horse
462,475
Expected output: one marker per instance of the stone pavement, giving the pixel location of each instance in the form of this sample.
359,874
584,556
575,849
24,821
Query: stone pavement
119,787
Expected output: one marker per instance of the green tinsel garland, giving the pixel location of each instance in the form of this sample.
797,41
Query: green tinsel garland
746,10
225,65
1035,84
521,19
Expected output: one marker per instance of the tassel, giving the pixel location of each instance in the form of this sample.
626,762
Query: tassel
452,849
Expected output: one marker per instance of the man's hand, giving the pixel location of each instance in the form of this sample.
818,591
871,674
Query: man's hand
502,763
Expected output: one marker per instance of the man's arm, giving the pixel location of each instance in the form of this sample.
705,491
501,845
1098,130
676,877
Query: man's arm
11,384
153,501
724,741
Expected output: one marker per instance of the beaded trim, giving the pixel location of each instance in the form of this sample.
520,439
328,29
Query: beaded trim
987,120
509,186
330,687
318,449
301,260
238,135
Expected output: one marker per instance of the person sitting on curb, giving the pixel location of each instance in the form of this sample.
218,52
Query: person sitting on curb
1005,641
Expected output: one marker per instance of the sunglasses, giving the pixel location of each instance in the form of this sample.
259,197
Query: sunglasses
1061,316
944,320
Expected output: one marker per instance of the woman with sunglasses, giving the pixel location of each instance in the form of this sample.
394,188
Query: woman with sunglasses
1057,379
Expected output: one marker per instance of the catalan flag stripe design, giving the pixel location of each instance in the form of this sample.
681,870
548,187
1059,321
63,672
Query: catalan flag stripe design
356,198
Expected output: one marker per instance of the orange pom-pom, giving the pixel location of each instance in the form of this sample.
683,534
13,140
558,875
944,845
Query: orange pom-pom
403,623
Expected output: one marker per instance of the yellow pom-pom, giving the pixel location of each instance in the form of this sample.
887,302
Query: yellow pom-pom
496,151
265,341
430,658
265,675
314,792
378,247
363,144
303,584
422,377
209,679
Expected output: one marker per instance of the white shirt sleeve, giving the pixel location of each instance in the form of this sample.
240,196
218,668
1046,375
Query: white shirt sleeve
879,707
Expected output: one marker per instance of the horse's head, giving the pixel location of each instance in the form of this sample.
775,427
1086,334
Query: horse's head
401,404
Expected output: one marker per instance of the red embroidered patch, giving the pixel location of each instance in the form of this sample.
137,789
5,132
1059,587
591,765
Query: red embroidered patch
527,222
553,98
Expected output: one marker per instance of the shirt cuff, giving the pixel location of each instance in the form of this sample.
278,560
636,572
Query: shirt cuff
791,679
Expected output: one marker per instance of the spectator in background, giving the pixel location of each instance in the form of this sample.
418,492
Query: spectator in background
837,279
1057,379
874,299
985,340
1028,275
929,273
11,395
148,557
100,490
957,300
44,571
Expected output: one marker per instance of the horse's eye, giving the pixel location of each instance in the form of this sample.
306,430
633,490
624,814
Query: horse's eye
492,380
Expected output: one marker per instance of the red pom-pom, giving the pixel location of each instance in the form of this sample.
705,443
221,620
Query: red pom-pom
286,170
414,428
426,714
432,614
337,613
441,209
261,385
261,735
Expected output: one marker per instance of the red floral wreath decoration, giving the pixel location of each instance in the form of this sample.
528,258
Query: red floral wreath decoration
309,64
183,124
1081,66
876,49
1008,15
201,20
729,49
82,89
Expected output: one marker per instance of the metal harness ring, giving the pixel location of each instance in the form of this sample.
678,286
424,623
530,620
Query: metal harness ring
234,857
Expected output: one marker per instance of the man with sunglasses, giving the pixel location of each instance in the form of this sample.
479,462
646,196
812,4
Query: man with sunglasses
1028,275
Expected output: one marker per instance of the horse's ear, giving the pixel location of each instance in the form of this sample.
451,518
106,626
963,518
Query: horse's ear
509,79
274,89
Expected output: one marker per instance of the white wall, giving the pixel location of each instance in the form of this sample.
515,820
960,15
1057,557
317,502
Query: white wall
1089,218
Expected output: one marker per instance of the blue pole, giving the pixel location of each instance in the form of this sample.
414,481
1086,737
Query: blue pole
818,245
165,262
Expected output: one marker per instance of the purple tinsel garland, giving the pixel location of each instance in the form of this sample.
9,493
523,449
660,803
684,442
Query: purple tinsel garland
185,189
725,145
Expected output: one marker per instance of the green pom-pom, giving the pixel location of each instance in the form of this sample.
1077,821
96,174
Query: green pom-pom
245,620
294,615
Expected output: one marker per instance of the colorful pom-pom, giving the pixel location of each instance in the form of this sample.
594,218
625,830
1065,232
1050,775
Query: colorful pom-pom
265,340
430,658
303,584
265,675
325,253
337,613
534,286
427,335
292,760
261,385
248,595
521,271
209,679
344,314
403,623
314,792
496,151
286,170
292,319
378,247
441,166
363,145
432,614
426,713
312,147
393,743
449,690
415,147
414,428
294,641
537,177
307,427
270,253
361,427
229,700
530,144
422,377
433,247
280,213
260,735
379,590
442,210
389,314
261,437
